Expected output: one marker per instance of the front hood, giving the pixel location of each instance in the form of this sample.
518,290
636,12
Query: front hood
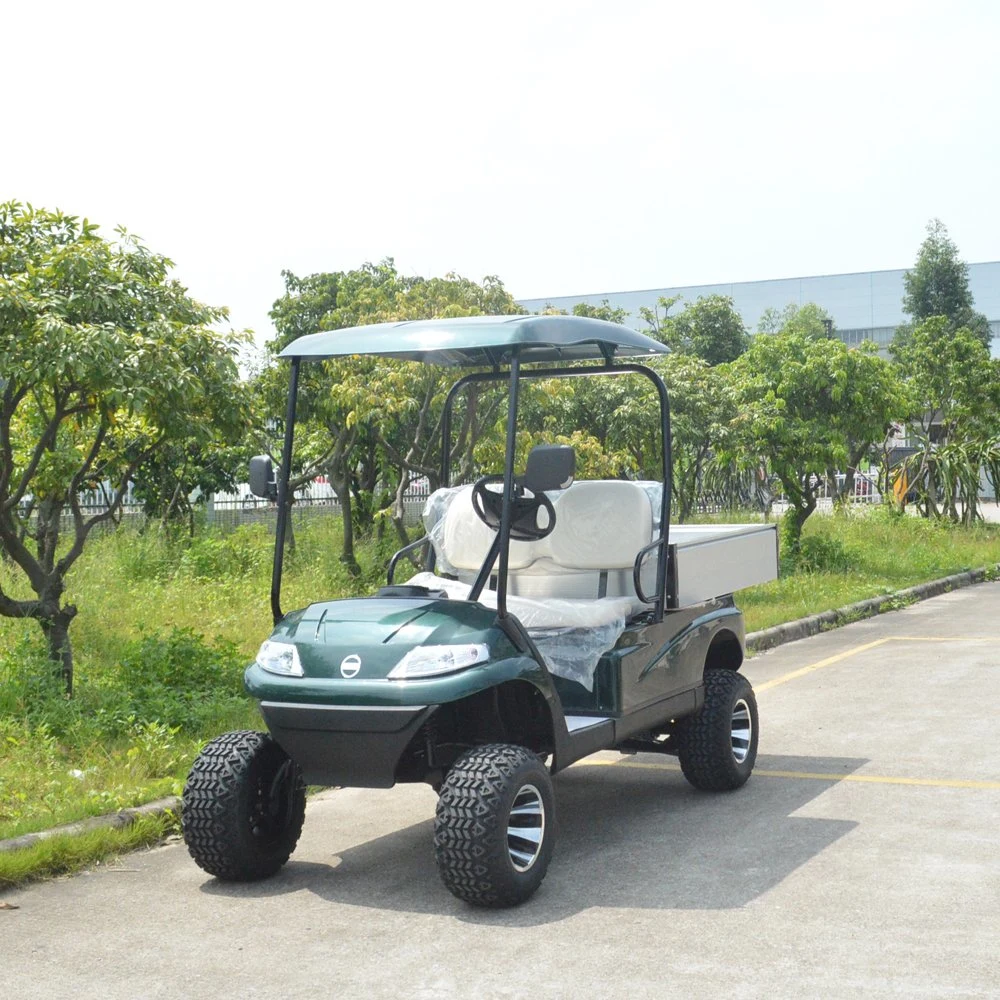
379,631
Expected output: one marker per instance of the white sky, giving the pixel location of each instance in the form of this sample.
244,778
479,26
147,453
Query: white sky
568,147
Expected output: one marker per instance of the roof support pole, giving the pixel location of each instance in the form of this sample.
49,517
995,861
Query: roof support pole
508,486
284,474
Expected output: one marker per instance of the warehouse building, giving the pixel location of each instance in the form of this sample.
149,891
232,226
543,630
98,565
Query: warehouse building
867,305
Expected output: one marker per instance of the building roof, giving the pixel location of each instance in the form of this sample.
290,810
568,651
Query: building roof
861,300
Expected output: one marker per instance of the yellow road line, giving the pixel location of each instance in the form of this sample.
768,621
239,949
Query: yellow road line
870,779
944,638
802,671
854,650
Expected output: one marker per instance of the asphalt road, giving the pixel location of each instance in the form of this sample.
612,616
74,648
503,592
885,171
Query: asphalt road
861,859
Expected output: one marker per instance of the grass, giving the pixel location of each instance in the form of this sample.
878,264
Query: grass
166,627
865,553
64,853
165,631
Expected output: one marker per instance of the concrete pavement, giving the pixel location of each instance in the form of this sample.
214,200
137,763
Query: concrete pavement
861,859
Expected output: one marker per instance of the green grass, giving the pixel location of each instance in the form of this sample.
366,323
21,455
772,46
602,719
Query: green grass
166,627
864,553
165,631
65,853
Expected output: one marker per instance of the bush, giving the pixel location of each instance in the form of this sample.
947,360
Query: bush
179,680
821,554
240,553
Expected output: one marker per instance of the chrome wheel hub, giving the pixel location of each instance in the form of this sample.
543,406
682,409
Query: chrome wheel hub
525,828
742,731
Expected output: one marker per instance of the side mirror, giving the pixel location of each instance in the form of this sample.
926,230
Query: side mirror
262,481
550,467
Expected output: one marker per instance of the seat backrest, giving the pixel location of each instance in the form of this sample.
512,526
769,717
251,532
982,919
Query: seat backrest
600,527
465,539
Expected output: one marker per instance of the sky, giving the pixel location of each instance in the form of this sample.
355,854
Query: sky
567,147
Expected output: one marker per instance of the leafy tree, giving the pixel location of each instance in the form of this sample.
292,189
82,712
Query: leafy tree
605,311
709,328
375,414
104,362
698,405
956,419
803,406
808,320
938,285
658,318
182,474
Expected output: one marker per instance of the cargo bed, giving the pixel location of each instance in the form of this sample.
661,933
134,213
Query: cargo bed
710,560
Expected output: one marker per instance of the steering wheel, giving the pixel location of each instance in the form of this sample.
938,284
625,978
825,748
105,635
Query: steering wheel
525,506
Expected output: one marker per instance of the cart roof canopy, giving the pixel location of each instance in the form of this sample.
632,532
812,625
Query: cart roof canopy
481,341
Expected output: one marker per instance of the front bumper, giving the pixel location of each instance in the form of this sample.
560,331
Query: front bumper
354,746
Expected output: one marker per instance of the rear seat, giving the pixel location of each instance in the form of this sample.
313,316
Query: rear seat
579,576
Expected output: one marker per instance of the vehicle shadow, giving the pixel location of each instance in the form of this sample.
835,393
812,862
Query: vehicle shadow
629,836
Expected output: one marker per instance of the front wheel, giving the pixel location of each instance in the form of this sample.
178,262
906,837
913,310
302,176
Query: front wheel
717,747
495,825
243,807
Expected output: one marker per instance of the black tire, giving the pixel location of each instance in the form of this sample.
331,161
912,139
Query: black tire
243,807
479,858
715,750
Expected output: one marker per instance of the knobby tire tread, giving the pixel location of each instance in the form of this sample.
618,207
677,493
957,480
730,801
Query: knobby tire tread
705,751
470,831
213,819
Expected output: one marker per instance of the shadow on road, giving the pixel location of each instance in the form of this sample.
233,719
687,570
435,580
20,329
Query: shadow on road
629,837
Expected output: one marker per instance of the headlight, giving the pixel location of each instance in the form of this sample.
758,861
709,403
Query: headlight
429,661
279,658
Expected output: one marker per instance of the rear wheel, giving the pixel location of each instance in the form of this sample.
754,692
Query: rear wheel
243,807
717,747
495,826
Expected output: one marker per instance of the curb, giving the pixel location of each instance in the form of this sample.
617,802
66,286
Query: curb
117,821
755,642
778,635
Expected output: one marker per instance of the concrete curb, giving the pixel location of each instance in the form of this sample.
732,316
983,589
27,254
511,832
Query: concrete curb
768,638
118,821
756,642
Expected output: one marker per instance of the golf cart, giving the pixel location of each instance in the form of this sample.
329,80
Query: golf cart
553,618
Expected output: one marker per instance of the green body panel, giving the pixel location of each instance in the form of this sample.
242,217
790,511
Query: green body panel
653,662
380,631
356,730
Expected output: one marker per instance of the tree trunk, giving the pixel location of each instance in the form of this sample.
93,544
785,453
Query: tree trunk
56,629
791,528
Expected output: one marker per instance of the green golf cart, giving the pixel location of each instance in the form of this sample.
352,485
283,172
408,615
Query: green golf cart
552,618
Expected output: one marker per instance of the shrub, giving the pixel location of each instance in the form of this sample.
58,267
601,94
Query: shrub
178,680
821,554
239,553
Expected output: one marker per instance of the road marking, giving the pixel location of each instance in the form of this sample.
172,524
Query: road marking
870,779
854,650
802,671
944,638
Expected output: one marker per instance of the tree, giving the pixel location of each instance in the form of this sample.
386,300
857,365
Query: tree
956,419
808,320
605,311
104,362
709,328
805,406
698,406
376,413
182,474
938,285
